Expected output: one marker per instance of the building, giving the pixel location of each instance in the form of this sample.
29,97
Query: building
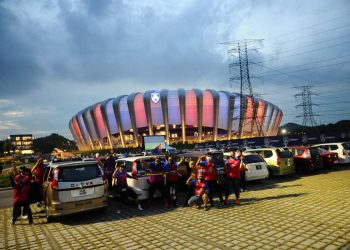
22,144
180,115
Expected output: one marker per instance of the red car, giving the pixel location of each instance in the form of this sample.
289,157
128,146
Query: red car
306,159
329,159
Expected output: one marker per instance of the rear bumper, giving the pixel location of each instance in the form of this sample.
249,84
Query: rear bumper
57,209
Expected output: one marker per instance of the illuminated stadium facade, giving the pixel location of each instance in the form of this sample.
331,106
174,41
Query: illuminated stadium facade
180,115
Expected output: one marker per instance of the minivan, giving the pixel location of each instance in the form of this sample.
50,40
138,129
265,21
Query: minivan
72,187
341,148
279,161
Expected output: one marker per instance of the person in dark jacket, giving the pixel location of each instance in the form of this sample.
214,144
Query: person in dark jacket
157,169
121,186
21,187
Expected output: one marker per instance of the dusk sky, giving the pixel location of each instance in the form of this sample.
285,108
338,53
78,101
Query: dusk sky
58,57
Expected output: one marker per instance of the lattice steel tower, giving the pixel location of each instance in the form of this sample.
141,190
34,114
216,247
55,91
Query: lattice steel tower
306,104
238,59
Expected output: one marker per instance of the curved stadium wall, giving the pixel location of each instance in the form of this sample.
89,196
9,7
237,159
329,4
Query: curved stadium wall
180,115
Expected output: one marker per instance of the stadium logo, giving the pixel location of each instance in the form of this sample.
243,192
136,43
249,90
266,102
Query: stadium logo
155,96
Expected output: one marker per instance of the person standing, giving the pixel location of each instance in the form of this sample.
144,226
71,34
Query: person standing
172,179
242,171
193,175
37,173
20,184
233,177
121,186
156,173
211,178
201,191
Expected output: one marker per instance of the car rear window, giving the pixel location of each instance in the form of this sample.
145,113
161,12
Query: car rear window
346,146
253,159
79,173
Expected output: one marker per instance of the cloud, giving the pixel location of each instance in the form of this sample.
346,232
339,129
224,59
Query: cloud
9,125
14,113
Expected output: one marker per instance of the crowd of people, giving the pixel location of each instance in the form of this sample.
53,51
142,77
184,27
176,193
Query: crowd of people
163,175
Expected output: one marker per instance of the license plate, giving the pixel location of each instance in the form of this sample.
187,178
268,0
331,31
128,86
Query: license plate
82,192
258,167
80,204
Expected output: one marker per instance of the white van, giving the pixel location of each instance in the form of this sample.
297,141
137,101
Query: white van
342,148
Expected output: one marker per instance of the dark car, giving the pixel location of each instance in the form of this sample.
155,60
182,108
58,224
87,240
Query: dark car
306,159
217,157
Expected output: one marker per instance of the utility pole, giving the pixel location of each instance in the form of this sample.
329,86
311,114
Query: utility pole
238,58
306,104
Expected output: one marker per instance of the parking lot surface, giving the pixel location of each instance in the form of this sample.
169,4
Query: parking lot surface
308,212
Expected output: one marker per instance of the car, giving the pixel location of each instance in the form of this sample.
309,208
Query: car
306,159
279,161
329,159
133,166
72,187
342,148
256,165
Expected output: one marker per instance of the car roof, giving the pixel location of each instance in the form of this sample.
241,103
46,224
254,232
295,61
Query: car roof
135,158
331,143
70,163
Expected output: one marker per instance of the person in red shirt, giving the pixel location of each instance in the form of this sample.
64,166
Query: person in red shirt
233,176
201,191
20,183
211,178
172,179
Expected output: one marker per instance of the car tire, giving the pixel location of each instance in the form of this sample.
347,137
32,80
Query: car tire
270,173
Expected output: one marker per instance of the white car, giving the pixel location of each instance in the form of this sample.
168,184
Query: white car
342,148
133,167
256,165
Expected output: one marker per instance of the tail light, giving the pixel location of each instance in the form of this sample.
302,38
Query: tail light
134,169
278,158
54,181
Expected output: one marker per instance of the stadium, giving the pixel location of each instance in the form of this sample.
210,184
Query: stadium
191,116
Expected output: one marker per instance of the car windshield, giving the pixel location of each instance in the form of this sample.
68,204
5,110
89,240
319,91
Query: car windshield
79,173
346,145
253,158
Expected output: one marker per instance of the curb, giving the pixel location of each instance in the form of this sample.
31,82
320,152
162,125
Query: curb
5,189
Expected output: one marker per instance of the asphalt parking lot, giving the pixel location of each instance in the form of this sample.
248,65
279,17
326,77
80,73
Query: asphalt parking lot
308,212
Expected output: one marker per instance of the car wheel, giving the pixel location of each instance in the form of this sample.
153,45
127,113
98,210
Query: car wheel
270,173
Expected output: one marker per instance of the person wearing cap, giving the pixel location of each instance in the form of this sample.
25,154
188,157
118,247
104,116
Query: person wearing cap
121,186
20,183
201,191
232,180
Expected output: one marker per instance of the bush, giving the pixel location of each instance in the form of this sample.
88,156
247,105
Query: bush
5,180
